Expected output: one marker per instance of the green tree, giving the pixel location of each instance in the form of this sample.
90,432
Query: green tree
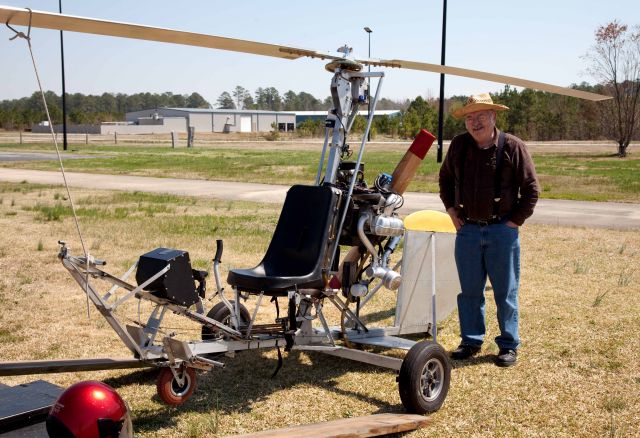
452,127
290,101
390,104
301,102
307,102
359,124
268,99
176,101
225,101
107,104
195,100
310,128
419,115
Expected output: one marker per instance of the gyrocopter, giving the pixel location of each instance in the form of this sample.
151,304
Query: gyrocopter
303,266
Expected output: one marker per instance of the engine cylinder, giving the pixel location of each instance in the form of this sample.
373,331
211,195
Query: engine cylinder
387,226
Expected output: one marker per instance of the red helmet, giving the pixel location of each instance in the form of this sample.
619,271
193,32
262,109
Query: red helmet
89,410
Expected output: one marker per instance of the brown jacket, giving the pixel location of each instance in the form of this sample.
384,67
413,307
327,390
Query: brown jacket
519,184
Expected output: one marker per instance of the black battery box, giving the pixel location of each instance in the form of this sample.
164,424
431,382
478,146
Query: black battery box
177,284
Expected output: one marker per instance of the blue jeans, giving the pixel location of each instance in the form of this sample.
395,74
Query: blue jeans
492,250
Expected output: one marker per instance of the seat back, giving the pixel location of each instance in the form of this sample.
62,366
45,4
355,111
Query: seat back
301,243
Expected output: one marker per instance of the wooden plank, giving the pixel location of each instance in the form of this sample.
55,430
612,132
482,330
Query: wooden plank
356,427
67,365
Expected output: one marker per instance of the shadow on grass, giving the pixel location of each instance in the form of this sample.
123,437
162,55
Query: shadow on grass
146,375
474,361
378,316
246,380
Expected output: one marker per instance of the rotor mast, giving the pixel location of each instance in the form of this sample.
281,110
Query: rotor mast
349,90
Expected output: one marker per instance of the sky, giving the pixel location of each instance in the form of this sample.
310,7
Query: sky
539,40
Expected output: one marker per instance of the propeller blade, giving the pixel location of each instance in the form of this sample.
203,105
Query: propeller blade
49,20
475,74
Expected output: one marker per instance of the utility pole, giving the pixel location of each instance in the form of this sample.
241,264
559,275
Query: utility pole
368,30
441,106
64,91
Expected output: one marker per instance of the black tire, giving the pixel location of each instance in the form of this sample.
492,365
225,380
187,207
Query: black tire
221,313
424,378
170,391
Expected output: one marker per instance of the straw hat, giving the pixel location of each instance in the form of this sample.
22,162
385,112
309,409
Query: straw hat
478,102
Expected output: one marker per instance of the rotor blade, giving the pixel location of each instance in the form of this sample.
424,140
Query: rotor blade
49,20
475,74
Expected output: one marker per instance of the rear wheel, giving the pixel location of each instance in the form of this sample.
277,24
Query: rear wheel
170,390
221,313
424,378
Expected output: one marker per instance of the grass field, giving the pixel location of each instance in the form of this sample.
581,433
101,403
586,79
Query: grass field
576,172
579,366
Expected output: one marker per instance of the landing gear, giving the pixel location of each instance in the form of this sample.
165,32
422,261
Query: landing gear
424,378
175,389
221,313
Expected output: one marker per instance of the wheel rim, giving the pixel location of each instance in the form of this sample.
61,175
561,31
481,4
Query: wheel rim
180,391
432,380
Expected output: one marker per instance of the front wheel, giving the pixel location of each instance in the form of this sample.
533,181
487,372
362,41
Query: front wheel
169,389
424,378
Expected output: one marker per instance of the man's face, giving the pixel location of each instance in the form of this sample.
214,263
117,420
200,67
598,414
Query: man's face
480,125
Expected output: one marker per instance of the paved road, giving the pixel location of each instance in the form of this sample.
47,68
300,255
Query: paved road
548,211
37,156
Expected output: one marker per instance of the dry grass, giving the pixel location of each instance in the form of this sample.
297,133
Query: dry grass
578,373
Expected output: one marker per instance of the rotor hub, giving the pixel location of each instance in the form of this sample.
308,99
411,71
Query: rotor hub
343,64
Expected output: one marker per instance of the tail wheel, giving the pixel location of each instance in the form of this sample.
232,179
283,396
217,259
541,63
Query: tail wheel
424,378
169,388
221,313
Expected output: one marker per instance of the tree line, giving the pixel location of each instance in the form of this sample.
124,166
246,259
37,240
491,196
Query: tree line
89,109
533,115
614,60
271,99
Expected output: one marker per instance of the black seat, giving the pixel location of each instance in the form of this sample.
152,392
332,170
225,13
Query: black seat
298,254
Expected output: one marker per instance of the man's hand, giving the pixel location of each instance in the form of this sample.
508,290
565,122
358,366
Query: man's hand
511,224
458,222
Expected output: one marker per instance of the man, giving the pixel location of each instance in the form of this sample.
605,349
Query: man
489,187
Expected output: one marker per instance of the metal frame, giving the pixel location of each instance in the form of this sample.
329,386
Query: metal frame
151,347
174,353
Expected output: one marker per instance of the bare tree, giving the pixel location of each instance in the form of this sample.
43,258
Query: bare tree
615,63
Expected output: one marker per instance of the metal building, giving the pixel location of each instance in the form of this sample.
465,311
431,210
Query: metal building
217,120
301,116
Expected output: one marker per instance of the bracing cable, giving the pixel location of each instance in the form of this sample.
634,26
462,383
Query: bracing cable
27,37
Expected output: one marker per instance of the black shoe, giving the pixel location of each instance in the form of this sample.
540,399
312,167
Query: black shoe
464,352
506,357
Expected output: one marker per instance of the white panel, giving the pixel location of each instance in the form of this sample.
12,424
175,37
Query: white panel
413,308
